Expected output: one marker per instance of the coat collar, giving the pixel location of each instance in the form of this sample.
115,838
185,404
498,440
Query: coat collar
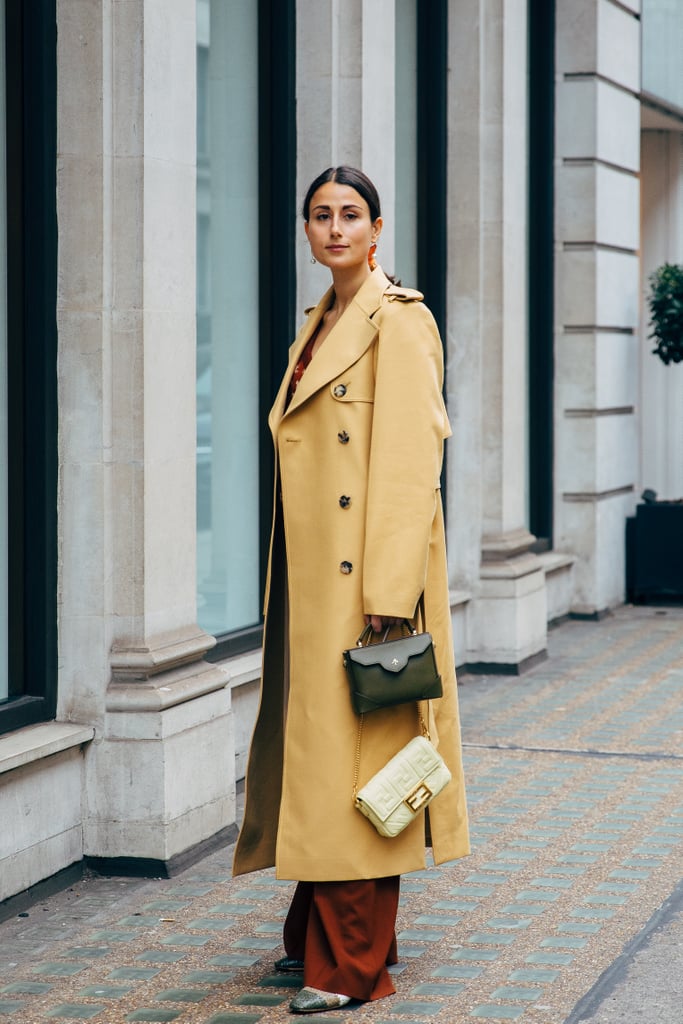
344,345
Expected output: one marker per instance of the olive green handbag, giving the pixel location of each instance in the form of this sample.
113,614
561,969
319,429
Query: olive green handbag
392,671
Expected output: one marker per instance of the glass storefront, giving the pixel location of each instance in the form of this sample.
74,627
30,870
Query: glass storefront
227,316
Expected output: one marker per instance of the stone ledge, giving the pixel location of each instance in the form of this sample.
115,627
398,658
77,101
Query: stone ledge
504,546
243,668
163,654
167,691
36,742
553,561
511,568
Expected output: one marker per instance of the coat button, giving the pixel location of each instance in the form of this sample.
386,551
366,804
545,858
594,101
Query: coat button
343,437
345,501
345,567
339,391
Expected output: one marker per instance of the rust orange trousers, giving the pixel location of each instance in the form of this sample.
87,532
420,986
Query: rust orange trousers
345,933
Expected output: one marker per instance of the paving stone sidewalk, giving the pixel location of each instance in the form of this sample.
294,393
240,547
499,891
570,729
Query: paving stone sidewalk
575,783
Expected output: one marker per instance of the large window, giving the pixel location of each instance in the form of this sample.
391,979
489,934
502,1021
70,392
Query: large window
245,219
228,316
28,361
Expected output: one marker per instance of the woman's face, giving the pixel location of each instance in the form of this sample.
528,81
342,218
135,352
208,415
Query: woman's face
339,228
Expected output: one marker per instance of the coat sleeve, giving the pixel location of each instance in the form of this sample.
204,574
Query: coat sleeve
408,429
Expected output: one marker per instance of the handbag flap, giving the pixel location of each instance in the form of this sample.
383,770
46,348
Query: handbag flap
393,655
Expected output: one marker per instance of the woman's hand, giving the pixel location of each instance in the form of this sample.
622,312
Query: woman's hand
381,622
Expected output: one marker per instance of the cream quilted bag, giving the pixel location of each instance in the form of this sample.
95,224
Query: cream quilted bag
404,787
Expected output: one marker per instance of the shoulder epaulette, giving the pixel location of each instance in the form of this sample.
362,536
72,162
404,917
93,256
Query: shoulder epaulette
397,291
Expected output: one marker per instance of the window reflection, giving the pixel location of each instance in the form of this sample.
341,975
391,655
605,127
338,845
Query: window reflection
227,316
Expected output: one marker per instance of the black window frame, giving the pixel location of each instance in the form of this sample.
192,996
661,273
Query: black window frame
432,156
541,267
31,146
432,166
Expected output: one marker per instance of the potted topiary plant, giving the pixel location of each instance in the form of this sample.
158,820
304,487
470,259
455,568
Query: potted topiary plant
665,302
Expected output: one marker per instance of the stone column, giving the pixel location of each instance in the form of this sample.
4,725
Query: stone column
487,342
328,112
160,774
597,290
378,143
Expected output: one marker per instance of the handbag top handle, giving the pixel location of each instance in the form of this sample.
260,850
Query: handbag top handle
364,638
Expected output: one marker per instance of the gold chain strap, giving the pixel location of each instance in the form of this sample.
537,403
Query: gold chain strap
424,728
356,766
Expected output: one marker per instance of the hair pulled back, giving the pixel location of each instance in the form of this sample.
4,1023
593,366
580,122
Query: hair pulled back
345,175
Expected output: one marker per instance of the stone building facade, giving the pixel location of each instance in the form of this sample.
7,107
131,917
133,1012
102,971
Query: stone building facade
530,165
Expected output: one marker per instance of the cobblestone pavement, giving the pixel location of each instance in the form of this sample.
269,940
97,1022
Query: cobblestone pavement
575,782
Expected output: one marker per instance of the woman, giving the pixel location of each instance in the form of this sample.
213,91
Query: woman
358,425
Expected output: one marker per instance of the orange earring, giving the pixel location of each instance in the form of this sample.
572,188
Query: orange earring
371,256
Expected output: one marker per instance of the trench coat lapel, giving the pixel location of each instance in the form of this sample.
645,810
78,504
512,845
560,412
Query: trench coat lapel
300,342
345,344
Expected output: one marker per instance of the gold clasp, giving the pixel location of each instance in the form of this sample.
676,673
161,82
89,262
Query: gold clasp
416,799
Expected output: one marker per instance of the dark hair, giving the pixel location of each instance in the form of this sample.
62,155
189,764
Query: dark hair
345,175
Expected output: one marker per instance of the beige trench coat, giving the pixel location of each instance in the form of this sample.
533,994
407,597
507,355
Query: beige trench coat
367,425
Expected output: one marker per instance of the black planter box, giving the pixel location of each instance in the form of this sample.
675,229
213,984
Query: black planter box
654,553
